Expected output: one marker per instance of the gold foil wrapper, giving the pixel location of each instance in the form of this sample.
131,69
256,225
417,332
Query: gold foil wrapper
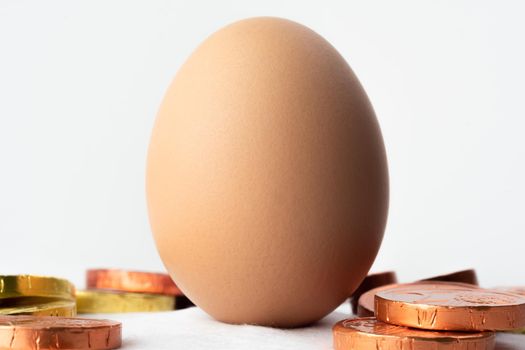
36,286
97,301
40,307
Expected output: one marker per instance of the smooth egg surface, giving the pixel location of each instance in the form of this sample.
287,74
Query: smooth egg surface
267,180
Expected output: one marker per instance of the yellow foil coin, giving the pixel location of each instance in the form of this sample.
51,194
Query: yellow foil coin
36,286
96,301
65,308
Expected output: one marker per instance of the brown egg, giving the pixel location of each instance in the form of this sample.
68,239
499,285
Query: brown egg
267,180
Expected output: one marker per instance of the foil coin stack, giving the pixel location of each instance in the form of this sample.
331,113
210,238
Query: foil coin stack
36,312
36,295
440,313
116,291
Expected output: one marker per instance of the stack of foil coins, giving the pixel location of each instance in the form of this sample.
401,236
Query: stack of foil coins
439,313
37,312
116,291
36,295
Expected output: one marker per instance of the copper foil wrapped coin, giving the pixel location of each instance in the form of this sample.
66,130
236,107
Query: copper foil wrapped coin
513,290
365,307
131,281
519,291
370,282
448,306
42,333
365,304
370,334
464,276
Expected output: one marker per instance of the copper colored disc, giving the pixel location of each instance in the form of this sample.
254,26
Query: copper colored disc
519,291
513,290
46,332
369,334
365,306
370,282
464,276
447,306
131,281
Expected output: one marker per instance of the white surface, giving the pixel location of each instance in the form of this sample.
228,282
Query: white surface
81,81
193,329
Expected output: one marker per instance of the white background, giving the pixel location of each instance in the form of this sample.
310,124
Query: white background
80,84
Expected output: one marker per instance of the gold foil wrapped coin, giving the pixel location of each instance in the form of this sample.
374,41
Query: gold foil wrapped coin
98,301
66,308
36,286
369,334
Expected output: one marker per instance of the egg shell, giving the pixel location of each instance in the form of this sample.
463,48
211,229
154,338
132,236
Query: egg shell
267,179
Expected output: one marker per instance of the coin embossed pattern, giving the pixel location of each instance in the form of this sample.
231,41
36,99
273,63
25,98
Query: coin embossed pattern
448,306
369,334
44,332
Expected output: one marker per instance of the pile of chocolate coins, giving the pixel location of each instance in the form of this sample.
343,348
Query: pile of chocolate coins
116,291
439,313
38,312
36,295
